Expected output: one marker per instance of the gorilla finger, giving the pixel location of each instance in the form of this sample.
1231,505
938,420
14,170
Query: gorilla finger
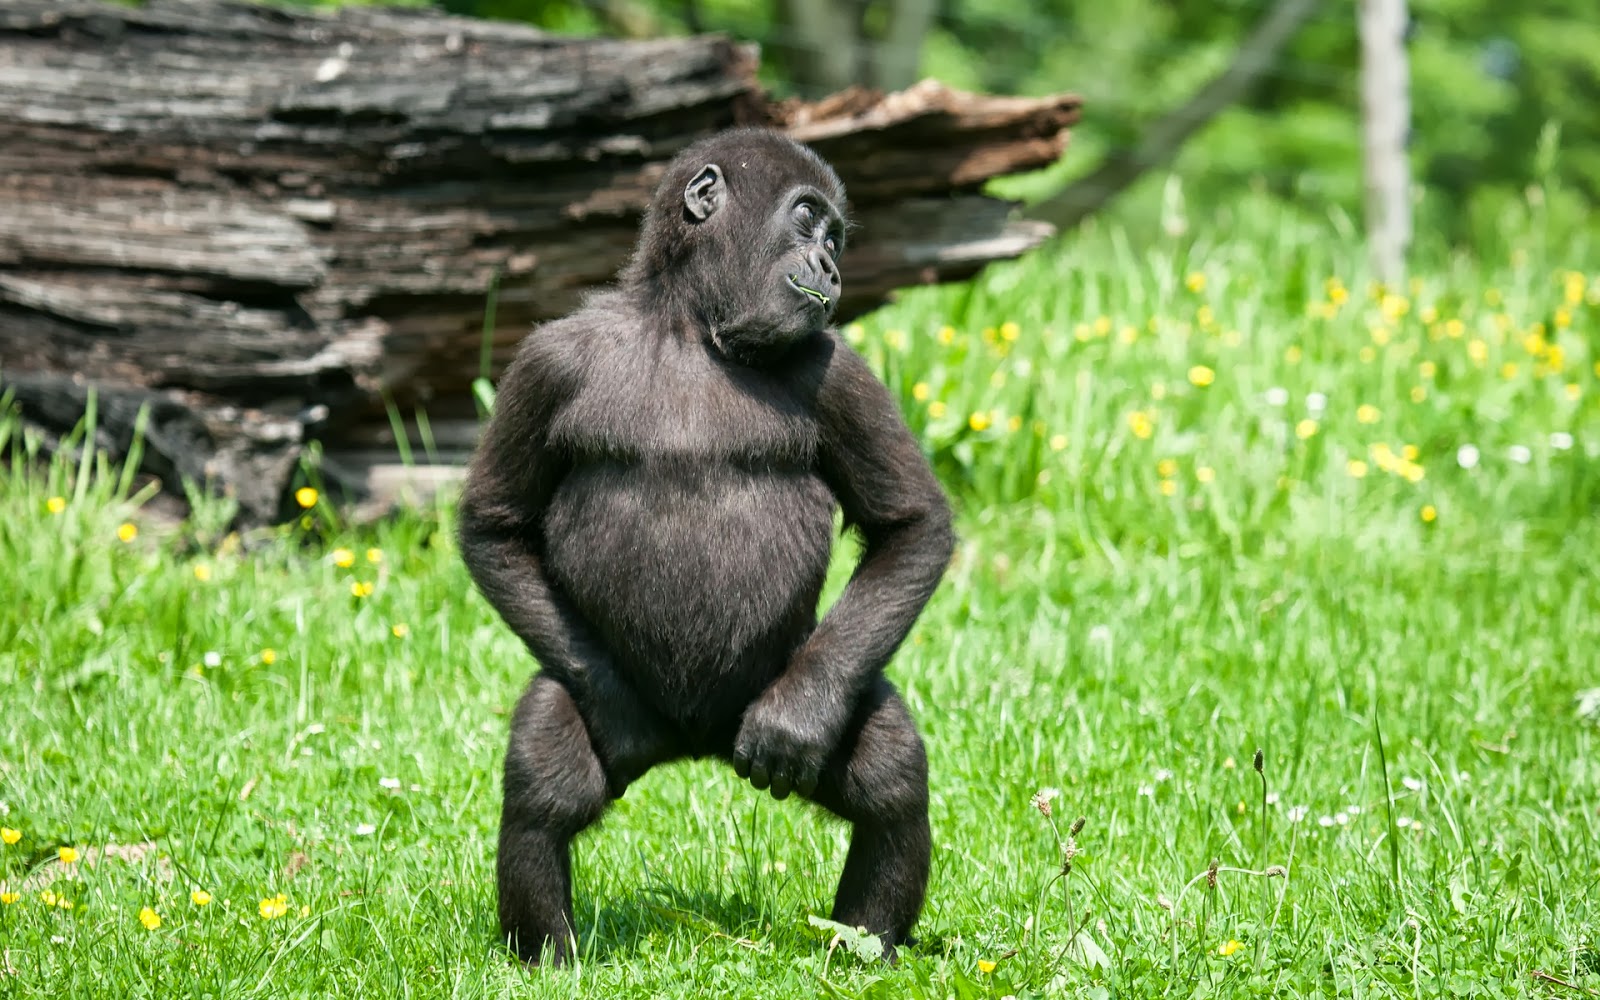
741,763
781,784
759,775
807,782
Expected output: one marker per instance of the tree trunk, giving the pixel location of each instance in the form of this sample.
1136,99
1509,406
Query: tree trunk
269,225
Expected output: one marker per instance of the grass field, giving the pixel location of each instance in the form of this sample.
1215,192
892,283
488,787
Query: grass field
1216,494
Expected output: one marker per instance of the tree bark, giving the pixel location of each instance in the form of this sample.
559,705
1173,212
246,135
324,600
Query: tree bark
269,225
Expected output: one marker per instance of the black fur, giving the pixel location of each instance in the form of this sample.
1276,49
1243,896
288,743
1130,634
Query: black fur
651,511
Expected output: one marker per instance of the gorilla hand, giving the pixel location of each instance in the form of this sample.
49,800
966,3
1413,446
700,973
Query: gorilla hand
788,734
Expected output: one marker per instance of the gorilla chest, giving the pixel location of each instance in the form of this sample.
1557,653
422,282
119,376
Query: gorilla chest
690,512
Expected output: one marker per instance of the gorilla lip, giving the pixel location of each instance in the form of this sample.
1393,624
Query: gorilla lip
795,281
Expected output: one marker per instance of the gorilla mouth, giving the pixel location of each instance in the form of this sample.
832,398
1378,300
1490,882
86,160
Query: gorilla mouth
795,281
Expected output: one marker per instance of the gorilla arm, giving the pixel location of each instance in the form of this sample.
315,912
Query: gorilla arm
513,476
888,492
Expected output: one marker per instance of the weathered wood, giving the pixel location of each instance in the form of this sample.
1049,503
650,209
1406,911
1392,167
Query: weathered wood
282,221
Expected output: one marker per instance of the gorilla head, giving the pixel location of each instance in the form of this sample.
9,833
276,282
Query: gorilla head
743,239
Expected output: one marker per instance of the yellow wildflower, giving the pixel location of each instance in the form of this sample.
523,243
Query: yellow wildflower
985,966
1492,297
1428,369
1357,468
1508,370
273,907
854,332
1478,351
1205,474
1454,329
202,572
979,421
149,918
1381,335
936,409
1201,376
9,836
895,339
1158,391
1082,333
400,630
1428,315
1574,390
1418,394
1014,424
374,556
1227,949
127,532
1058,442
1430,513
200,897
269,656
1573,287
68,855
9,897
1102,326
1129,334
1367,355
343,558
306,497
56,505
947,335
1555,357
1195,282
1562,319
361,588
1367,413
1141,425
920,392
1409,452
997,379
1009,331
1168,488
1167,468
1394,306
1305,428
1293,354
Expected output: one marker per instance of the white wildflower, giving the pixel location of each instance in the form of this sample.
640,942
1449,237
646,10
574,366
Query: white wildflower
1412,783
1519,454
1316,402
1561,441
212,659
389,782
1467,456
1277,396
365,829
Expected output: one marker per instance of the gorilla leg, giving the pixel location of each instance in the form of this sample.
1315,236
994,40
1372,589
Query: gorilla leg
878,781
554,787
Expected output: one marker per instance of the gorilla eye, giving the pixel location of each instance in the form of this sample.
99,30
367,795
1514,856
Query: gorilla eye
804,213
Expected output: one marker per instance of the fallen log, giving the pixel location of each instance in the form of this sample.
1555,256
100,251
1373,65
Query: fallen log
272,226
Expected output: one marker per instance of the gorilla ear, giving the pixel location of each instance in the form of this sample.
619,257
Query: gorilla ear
706,194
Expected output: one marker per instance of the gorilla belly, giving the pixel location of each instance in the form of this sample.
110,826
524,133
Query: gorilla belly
699,579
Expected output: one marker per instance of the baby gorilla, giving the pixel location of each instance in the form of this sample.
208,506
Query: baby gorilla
651,510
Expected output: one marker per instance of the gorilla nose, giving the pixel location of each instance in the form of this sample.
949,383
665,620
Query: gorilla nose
824,267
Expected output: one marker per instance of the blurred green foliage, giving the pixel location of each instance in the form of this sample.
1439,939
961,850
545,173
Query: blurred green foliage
1502,94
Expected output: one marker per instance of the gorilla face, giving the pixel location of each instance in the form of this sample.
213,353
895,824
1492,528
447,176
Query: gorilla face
747,230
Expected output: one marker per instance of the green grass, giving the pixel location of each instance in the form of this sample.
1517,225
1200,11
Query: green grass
1406,647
